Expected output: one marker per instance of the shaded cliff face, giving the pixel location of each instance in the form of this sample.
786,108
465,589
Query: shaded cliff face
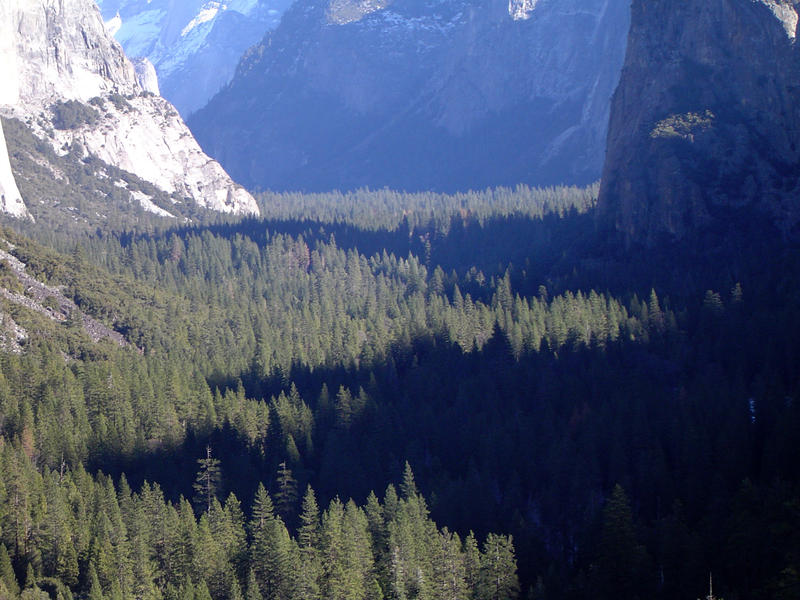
422,94
63,74
705,123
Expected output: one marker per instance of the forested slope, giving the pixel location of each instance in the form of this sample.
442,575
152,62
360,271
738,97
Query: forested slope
628,438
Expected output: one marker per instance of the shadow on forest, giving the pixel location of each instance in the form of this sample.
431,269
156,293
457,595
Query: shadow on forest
568,252
564,253
532,445
538,246
466,435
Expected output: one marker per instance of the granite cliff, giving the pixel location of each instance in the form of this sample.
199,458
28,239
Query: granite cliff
705,123
10,198
73,85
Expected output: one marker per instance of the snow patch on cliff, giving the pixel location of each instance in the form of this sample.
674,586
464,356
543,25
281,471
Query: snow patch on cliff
207,13
113,25
521,10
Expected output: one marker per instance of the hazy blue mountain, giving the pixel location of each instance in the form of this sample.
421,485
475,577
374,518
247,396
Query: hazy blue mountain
422,94
193,44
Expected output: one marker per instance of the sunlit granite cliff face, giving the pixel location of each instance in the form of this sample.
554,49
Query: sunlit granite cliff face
422,94
63,75
10,198
705,123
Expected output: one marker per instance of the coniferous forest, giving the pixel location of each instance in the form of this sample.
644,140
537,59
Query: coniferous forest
403,396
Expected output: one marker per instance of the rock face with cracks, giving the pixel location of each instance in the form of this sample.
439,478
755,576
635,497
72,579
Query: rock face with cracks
72,82
705,122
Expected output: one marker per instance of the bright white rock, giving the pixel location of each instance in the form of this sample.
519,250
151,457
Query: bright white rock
56,50
10,198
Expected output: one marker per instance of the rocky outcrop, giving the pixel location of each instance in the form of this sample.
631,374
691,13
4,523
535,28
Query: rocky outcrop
194,45
46,300
705,123
422,94
64,75
146,75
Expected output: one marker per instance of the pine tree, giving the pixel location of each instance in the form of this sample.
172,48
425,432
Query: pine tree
95,591
308,532
286,495
228,528
498,569
620,557
377,527
201,592
234,590
142,571
279,568
332,550
390,503
187,590
448,567
7,572
655,315
408,488
30,577
357,552
263,509
207,480
210,561
253,591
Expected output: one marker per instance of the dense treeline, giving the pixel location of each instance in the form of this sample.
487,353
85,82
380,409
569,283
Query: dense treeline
387,209
222,310
67,533
629,442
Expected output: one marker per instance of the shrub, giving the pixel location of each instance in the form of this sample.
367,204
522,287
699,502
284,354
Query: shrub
72,114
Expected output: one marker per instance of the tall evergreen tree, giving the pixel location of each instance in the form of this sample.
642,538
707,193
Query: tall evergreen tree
620,557
207,480
498,569
286,494
253,591
7,572
408,488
